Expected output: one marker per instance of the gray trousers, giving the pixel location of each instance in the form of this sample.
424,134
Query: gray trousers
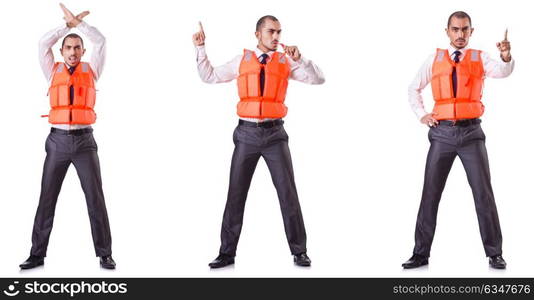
467,142
251,143
81,151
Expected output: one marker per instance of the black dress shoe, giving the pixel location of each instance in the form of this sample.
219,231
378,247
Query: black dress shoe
222,260
32,262
302,260
415,261
107,262
497,262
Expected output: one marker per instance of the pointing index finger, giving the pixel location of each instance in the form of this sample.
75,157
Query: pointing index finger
506,34
201,28
64,8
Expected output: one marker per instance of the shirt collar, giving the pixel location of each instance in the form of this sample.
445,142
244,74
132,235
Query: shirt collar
67,65
452,49
259,52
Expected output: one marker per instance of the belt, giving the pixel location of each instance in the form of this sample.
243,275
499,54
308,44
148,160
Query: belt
266,124
464,122
71,132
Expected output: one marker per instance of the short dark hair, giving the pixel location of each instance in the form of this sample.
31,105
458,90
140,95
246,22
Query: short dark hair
460,15
71,36
262,20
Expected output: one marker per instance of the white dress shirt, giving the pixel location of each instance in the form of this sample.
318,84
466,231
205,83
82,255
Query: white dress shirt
46,56
492,68
303,70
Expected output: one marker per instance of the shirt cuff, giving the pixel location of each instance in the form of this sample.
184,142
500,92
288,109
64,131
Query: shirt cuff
63,29
82,26
420,113
201,51
302,61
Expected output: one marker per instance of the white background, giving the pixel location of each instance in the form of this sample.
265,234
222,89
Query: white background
165,141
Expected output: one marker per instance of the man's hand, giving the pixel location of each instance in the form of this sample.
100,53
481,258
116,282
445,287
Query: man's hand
199,37
70,18
429,120
504,48
292,51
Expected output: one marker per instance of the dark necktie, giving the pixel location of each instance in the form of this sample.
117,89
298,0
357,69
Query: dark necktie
456,59
263,61
71,88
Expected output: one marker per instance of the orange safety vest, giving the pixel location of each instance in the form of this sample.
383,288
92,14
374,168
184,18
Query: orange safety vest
271,104
470,80
80,110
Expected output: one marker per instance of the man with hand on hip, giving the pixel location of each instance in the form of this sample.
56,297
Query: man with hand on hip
262,76
457,75
72,98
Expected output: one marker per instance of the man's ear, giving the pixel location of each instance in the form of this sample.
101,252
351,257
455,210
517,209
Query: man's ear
472,29
258,34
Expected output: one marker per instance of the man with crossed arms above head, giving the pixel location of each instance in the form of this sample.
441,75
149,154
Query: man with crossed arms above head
262,75
457,76
72,98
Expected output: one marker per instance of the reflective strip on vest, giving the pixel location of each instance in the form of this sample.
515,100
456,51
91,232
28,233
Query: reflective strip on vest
474,55
248,56
441,54
282,59
85,67
60,68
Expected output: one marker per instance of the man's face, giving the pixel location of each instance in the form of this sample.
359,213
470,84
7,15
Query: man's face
459,32
269,35
72,51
